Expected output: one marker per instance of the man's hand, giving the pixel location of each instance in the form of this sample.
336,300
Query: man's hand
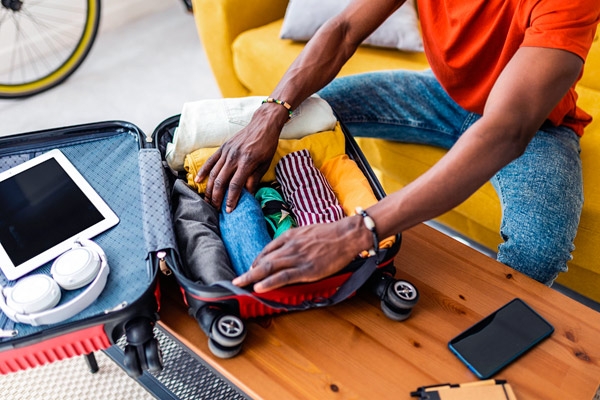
307,254
242,160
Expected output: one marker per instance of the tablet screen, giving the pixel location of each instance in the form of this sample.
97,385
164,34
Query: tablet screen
42,207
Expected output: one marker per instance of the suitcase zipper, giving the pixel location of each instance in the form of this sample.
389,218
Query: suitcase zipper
8,333
162,263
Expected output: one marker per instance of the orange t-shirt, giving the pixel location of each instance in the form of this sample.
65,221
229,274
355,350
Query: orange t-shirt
468,44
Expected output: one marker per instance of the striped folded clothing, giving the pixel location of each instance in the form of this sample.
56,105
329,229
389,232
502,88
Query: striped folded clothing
306,190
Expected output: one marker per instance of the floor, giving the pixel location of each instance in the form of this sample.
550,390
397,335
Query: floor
147,61
71,380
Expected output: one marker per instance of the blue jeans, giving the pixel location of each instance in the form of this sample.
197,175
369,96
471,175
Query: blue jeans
541,192
243,231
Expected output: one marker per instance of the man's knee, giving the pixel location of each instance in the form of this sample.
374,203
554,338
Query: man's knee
542,257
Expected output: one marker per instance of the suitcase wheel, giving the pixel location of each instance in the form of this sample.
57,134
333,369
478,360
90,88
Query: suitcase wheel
402,294
153,354
147,356
399,299
131,363
223,351
142,351
227,334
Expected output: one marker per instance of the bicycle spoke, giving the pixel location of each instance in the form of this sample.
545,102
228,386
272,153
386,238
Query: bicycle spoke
34,56
15,54
49,38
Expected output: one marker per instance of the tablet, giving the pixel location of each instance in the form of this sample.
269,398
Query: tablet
45,205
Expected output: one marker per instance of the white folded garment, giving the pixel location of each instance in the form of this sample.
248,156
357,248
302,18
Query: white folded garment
209,123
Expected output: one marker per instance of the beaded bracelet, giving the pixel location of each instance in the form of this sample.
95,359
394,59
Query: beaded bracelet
281,102
370,225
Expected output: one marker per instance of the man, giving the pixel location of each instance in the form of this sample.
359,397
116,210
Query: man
499,96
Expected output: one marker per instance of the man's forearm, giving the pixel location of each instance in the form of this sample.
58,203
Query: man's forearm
520,101
473,160
333,44
317,65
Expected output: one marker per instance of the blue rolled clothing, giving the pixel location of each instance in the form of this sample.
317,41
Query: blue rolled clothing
243,231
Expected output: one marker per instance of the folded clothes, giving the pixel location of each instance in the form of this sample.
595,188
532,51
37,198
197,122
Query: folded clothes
322,146
277,212
306,190
349,183
351,187
209,123
198,235
244,232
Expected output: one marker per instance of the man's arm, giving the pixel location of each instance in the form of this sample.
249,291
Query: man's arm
242,160
529,88
334,43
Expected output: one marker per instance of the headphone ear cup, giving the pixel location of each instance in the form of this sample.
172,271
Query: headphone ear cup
32,294
76,268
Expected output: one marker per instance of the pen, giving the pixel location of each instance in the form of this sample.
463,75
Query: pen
443,386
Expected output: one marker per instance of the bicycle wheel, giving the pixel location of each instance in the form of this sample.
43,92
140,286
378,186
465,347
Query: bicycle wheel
42,42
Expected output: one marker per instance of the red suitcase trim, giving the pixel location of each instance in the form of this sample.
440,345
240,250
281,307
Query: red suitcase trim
69,345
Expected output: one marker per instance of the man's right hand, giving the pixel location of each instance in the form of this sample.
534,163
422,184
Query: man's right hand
243,160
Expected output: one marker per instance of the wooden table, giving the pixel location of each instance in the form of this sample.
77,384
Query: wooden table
352,351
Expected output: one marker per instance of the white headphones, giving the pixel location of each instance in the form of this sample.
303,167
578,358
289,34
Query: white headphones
32,300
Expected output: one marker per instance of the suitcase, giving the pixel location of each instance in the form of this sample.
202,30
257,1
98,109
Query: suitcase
121,164
220,308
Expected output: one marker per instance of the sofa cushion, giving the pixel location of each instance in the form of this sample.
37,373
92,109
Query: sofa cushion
591,75
584,270
400,31
253,47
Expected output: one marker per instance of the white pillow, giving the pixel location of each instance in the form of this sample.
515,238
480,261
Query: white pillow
209,123
399,31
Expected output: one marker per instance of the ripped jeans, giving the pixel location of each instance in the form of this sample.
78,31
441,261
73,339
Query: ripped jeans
541,192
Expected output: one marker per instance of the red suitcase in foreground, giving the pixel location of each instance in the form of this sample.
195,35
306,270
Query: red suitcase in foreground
221,308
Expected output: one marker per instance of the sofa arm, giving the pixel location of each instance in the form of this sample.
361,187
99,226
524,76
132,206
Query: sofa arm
219,22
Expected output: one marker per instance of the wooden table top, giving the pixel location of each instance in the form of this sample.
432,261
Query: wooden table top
352,351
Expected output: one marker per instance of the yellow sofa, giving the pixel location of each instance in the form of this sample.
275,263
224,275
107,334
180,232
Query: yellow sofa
241,40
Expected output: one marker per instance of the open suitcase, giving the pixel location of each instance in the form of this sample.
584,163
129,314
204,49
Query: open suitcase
128,170
221,308
121,165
